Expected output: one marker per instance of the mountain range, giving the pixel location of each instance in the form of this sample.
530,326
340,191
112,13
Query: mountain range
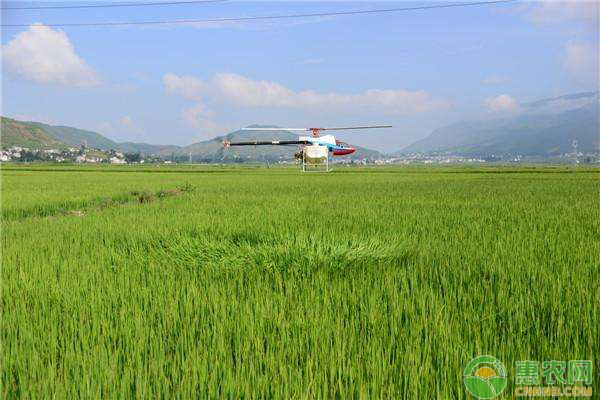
77,137
17,133
36,135
545,127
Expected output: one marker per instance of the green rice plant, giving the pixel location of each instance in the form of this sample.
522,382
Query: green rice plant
362,283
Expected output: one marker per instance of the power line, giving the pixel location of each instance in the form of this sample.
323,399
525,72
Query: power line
166,3
263,17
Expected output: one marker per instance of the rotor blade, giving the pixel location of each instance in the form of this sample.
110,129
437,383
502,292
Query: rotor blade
267,143
355,127
274,129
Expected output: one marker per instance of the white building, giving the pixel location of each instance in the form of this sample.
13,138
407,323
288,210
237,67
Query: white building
115,160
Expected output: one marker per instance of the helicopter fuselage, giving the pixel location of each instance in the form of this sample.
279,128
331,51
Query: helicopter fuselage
336,147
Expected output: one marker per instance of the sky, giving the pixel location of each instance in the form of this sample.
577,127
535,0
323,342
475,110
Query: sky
182,83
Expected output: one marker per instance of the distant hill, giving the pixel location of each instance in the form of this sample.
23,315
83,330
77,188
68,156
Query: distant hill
39,135
212,150
77,137
546,127
23,134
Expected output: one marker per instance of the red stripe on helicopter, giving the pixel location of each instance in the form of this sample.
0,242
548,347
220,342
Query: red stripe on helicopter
343,152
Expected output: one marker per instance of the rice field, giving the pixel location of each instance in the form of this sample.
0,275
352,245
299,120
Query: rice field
231,282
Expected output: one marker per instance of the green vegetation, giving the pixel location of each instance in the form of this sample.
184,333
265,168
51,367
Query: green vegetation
77,137
36,135
267,283
23,134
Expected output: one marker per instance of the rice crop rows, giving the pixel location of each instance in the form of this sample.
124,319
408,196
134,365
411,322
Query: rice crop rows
267,283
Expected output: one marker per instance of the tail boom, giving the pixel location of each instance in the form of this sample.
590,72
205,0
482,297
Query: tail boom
228,143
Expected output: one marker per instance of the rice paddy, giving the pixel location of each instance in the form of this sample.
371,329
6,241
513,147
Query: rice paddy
214,282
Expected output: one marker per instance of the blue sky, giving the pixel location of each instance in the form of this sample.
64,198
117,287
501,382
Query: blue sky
177,84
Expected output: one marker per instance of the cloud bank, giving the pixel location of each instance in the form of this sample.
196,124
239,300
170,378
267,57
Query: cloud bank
233,89
47,56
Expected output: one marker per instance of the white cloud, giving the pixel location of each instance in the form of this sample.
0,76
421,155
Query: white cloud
501,103
234,89
245,92
495,80
582,60
196,116
552,11
47,56
186,85
580,18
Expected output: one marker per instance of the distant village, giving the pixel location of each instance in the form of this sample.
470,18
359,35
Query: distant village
446,158
73,155
88,155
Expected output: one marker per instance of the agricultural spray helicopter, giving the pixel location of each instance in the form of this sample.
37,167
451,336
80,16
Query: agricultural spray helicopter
314,149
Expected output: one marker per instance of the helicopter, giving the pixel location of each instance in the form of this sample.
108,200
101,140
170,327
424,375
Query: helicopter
334,146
